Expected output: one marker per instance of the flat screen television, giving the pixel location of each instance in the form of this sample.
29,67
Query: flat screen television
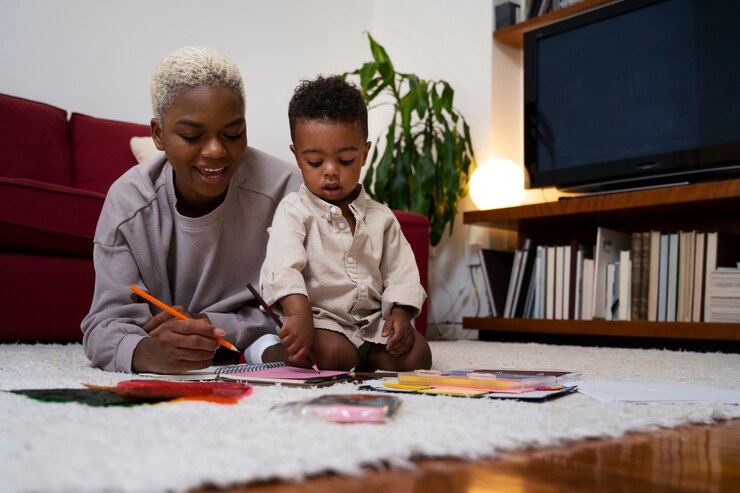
636,93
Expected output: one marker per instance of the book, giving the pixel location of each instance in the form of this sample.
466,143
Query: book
212,372
636,274
608,244
663,278
496,266
687,242
532,396
566,280
723,287
697,312
559,265
625,285
588,289
524,278
612,291
539,273
653,275
644,276
493,380
575,280
531,291
287,375
672,288
515,271
549,283
721,251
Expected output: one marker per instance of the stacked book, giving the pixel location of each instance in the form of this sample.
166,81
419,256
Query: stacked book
655,275
723,289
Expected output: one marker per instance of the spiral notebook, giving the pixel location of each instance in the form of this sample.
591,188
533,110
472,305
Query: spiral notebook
263,373
212,372
286,375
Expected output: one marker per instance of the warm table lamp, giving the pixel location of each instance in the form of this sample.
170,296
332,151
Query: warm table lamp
497,183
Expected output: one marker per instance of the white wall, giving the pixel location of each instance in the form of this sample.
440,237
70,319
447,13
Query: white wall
97,56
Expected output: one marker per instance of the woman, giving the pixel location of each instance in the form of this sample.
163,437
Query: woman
189,227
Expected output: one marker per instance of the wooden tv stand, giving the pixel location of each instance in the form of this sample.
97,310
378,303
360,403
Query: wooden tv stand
710,206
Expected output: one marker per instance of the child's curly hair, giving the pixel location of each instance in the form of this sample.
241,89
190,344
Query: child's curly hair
330,99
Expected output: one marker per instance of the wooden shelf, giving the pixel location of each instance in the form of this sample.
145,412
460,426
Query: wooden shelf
703,206
514,35
640,329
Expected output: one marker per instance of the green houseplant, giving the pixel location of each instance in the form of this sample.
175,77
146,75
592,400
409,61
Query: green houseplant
423,161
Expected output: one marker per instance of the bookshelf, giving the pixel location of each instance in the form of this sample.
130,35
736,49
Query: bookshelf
703,206
514,35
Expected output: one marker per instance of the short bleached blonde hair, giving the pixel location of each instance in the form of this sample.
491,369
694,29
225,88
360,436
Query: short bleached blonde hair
191,67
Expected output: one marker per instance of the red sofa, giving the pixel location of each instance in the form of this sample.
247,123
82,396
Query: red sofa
54,174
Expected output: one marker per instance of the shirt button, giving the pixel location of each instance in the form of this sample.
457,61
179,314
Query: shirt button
333,210
350,259
341,225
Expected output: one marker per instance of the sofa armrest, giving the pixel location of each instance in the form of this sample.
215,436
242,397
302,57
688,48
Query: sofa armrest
47,218
415,228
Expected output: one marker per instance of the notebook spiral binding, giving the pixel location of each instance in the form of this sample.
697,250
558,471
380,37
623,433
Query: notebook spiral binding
247,367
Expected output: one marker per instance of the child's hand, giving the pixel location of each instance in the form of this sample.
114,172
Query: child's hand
297,336
297,331
399,324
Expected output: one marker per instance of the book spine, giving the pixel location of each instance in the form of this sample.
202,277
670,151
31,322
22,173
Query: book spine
636,275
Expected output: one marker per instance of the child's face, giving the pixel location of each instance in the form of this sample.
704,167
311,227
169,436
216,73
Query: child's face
330,156
204,135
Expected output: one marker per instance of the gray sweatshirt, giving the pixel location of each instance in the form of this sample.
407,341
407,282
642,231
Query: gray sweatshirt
203,263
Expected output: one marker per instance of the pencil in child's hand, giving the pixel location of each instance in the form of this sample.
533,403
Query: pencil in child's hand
154,301
277,320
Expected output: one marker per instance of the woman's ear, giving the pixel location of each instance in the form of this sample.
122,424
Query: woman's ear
157,133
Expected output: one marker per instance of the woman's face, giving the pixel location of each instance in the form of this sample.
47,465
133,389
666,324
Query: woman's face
204,135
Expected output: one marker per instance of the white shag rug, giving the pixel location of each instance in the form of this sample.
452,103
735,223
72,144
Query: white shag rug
54,447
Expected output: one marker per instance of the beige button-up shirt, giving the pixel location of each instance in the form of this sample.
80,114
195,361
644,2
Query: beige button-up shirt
351,281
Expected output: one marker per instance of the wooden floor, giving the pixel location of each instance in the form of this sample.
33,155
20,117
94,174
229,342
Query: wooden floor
691,458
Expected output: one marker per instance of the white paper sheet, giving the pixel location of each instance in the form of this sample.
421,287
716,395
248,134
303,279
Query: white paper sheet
625,391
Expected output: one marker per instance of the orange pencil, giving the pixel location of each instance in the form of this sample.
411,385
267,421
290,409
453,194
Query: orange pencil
154,301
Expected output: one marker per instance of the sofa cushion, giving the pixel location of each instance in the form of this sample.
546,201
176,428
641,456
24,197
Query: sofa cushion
34,138
46,218
100,150
143,148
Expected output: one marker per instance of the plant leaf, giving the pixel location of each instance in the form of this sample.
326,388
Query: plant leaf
424,164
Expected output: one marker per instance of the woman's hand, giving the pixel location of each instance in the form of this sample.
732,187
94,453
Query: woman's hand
176,346
162,317
399,325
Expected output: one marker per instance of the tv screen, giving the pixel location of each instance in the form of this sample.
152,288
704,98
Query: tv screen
637,93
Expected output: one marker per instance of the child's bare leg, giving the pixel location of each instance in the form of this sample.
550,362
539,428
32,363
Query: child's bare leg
419,357
333,351
330,351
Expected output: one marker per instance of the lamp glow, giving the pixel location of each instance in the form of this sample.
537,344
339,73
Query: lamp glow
497,183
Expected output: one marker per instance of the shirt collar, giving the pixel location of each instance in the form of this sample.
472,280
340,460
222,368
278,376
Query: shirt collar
321,208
